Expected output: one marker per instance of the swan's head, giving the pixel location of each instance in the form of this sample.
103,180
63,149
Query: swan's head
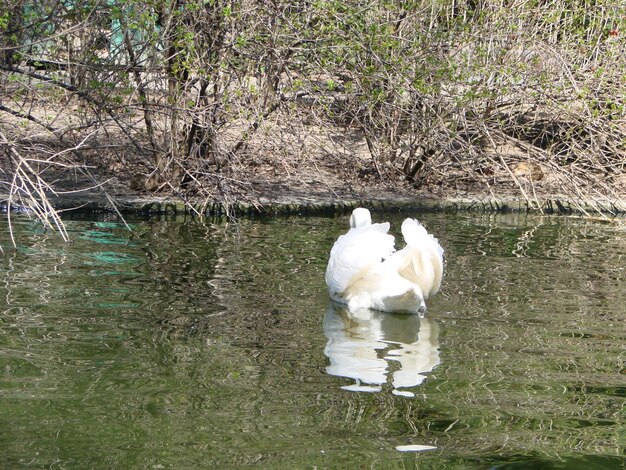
360,218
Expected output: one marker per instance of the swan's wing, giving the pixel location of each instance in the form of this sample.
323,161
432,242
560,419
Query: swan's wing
358,249
421,260
416,236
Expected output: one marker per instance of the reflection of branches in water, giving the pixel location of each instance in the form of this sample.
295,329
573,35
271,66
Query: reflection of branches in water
32,278
537,360
356,340
521,247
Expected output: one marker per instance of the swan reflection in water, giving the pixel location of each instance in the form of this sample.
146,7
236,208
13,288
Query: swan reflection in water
368,346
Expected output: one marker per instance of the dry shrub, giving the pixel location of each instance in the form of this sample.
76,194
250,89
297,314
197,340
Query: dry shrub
524,96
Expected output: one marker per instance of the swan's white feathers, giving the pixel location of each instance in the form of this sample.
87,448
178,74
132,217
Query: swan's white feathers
421,260
365,271
415,235
361,217
359,249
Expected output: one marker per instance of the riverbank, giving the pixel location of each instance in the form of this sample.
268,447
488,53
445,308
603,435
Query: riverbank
295,202
274,176
319,184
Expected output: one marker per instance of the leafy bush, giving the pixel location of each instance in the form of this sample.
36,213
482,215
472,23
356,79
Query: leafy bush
442,93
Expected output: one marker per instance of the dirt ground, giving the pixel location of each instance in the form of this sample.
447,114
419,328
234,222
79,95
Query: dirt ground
276,168
298,165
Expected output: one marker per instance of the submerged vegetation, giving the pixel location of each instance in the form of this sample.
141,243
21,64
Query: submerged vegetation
193,98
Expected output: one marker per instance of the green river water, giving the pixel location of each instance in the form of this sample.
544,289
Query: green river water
183,345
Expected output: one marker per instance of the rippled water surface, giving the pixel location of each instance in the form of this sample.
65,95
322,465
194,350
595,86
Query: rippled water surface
188,345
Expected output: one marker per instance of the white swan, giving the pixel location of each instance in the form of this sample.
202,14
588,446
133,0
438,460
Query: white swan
365,271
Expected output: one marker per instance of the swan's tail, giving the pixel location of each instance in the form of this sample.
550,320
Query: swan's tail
422,258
